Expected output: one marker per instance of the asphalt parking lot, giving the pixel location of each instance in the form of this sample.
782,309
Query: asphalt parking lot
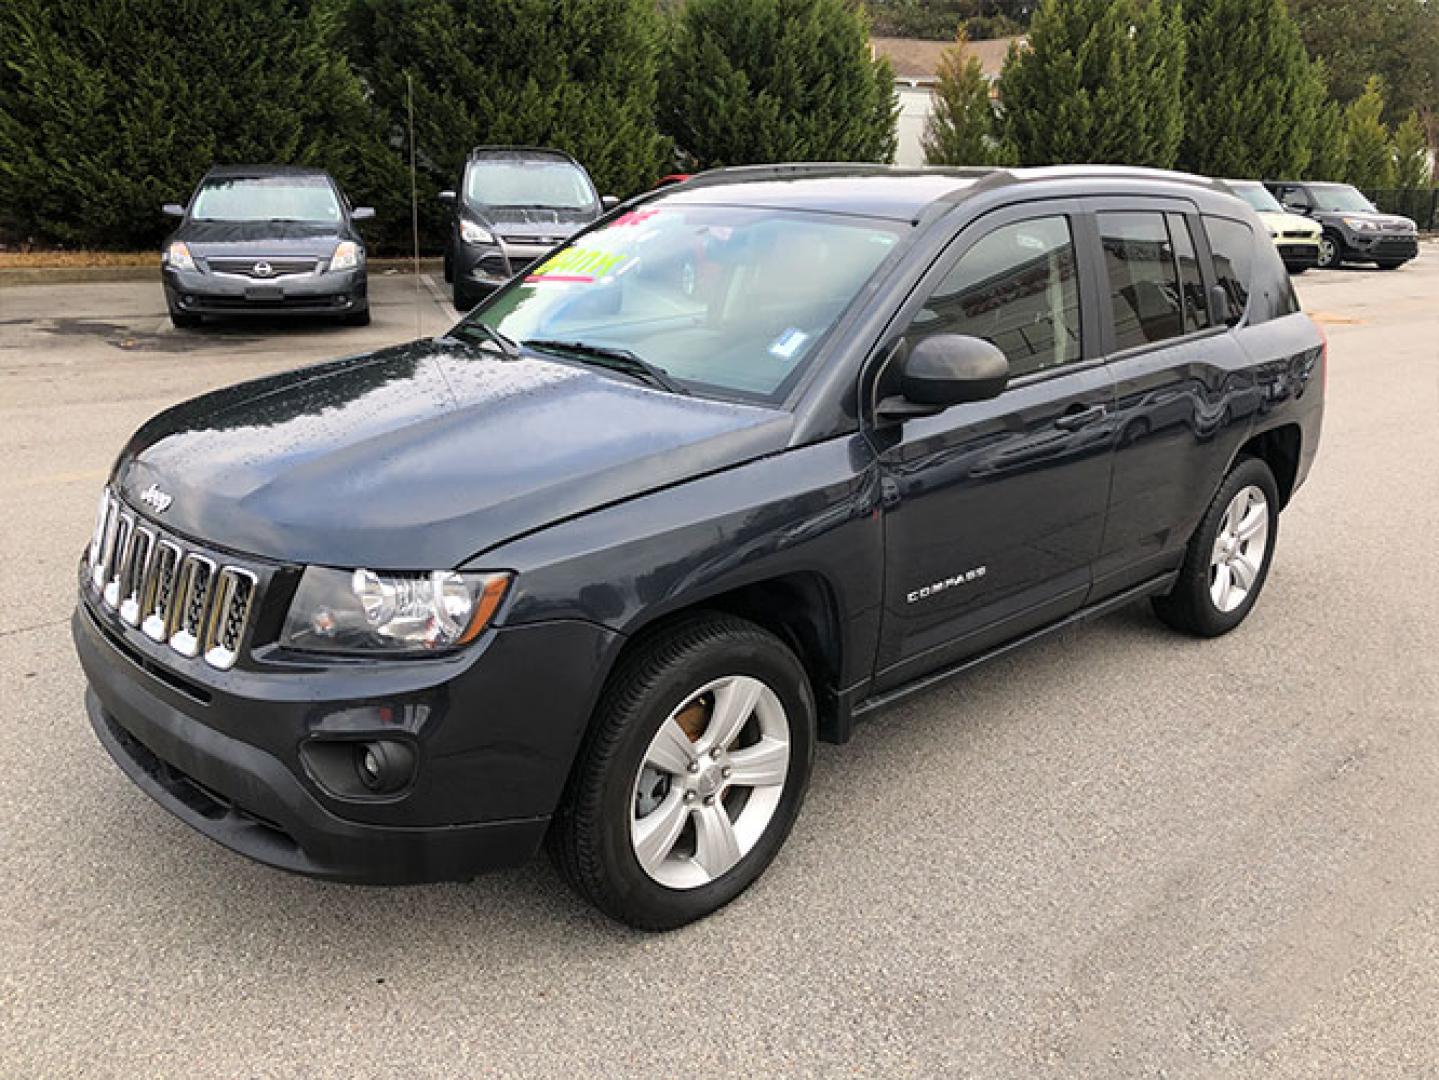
1117,853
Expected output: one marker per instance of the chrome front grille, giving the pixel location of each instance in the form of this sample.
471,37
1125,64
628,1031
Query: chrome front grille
278,266
174,595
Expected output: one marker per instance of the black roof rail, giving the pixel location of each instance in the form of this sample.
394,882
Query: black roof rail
729,174
1113,172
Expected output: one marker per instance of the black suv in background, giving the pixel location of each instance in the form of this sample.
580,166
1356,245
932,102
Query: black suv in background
764,453
266,240
513,205
1354,229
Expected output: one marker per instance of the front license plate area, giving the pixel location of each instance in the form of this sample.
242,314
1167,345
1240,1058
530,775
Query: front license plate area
264,293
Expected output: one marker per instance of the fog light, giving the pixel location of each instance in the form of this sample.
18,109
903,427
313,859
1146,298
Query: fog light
384,766
187,300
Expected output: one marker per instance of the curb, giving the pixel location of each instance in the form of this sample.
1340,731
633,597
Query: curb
63,275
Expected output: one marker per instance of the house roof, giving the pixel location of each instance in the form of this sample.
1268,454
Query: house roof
916,60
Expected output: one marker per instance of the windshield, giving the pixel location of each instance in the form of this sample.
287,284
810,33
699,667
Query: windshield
554,185
1257,196
726,298
267,198
1340,197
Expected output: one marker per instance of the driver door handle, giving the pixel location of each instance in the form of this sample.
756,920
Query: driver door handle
1079,417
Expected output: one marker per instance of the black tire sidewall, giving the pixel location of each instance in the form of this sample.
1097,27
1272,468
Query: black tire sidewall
631,894
1338,260
1192,588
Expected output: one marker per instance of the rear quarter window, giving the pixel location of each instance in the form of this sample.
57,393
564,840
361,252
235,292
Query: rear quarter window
1247,266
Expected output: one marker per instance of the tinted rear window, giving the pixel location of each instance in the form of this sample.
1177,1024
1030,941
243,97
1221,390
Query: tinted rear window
1144,288
1251,273
1232,243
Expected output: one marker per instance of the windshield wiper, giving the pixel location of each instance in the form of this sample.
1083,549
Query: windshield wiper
606,356
506,345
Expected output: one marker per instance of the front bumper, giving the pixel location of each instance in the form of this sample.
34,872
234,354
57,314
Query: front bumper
1298,254
337,293
224,754
483,268
1381,247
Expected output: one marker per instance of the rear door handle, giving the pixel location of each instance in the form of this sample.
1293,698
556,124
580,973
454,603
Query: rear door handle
1078,418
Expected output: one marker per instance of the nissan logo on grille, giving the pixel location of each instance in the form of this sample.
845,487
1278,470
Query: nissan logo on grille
262,269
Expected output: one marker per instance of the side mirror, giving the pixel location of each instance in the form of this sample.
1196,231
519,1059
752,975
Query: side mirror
1219,305
944,370
609,202
362,213
171,209
447,196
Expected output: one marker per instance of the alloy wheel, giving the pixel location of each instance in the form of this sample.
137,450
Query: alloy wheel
1239,548
710,782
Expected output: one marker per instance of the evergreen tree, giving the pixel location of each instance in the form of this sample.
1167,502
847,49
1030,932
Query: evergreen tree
577,75
1396,39
1329,150
1101,81
1412,169
1253,96
961,130
108,110
1369,161
775,80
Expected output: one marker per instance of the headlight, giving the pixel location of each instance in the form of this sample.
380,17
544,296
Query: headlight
177,256
346,256
361,611
1361,224
472,233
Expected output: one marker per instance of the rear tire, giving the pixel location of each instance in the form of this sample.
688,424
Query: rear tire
1228,558
1389,265
694,771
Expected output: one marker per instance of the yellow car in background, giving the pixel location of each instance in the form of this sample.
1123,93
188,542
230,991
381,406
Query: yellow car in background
1296,236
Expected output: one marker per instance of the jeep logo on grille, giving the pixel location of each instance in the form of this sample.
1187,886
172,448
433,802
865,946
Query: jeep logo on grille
152,496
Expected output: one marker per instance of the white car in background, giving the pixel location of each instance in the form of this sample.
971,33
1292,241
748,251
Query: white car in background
1296,236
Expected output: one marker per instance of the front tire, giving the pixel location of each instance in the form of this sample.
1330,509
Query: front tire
1331,252
1228,558
464,299
182,320
692,776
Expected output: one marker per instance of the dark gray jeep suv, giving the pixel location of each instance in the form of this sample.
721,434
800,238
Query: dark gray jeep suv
742,462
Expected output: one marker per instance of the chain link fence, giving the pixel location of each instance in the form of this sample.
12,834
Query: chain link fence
1421,204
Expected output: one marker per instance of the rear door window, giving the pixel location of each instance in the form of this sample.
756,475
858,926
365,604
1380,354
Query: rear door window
1144,290
1232,243
1191,281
